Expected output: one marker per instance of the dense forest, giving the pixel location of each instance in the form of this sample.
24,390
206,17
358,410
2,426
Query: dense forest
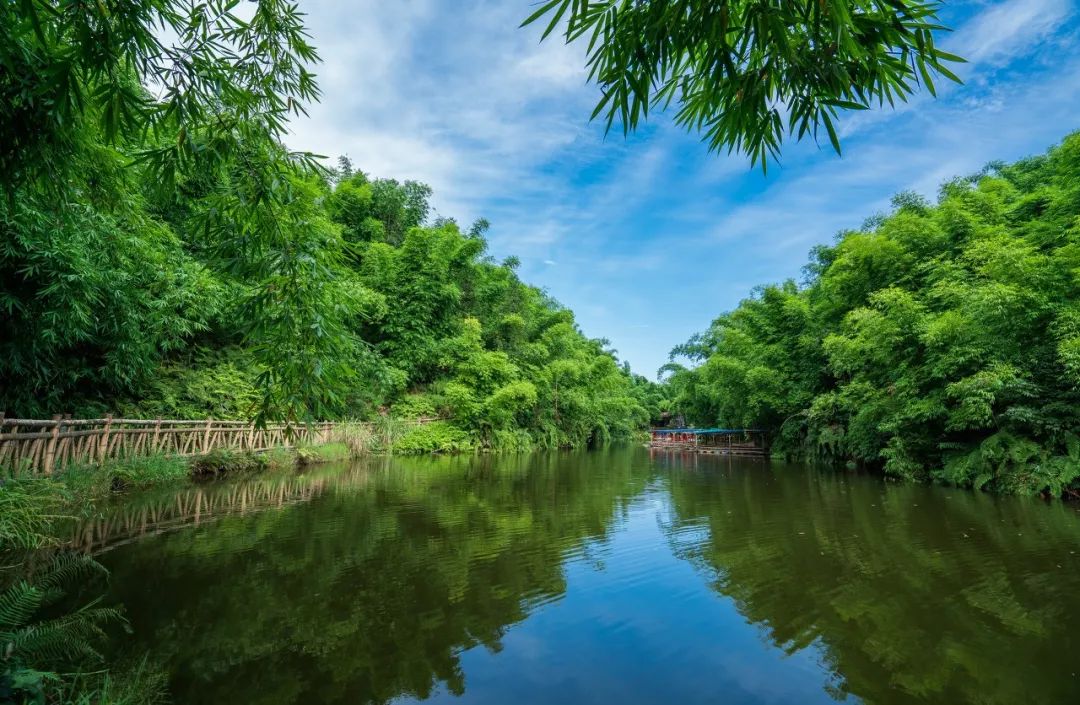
122,306
939,341
163,253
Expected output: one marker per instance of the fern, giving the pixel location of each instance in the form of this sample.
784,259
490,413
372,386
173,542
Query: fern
18,604
67,567
67,639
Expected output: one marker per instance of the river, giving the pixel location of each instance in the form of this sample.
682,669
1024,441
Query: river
615,576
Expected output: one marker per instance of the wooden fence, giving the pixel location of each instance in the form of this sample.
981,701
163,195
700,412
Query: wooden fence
34,446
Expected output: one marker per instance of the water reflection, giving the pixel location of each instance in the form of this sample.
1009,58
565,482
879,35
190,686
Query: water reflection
915,594
592,577
370,590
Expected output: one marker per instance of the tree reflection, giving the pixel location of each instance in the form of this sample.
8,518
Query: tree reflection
914,594
363,595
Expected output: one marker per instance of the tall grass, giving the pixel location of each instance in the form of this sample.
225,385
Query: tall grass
224,460
142,683
360,438
28,510
325,453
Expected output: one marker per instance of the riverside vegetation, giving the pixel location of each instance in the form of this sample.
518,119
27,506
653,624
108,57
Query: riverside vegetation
162,253
51,622
940,341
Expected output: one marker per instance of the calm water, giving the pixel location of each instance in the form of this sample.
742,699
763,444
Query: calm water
606,577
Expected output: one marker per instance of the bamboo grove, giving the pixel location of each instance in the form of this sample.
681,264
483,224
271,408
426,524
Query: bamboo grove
940,341
162,254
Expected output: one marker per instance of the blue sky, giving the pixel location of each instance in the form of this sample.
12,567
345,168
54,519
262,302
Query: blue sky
649,238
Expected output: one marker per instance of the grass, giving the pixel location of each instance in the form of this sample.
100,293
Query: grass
121,475
325,453
224,461
137,684
88,481
28,510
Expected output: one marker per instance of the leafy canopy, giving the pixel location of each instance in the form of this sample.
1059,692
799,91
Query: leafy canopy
941,341
189,100
745,73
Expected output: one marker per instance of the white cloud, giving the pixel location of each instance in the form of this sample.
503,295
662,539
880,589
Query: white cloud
453,95
1009,29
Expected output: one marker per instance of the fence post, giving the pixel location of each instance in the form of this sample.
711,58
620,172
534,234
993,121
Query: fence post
50,450
206,437
103,442
65,448
157,434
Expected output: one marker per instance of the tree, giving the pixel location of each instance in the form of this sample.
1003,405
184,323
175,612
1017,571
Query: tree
740,69
193,98
942,342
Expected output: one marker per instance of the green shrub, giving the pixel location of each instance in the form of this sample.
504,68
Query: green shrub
226,460
515,440
325,453
414,406
435,437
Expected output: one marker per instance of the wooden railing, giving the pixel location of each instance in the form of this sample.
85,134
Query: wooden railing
34,446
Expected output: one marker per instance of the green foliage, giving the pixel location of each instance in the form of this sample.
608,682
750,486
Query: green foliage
96,481
147,470
139,684
135,220
939,343
217,383
30,641
28,509
164,255
325,453
734,68
226,460
436,437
